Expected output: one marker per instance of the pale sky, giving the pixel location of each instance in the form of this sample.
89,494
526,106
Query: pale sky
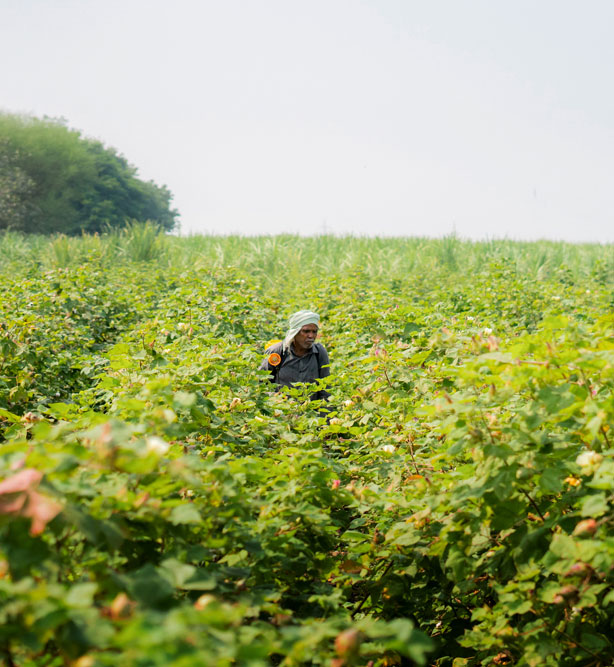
490,118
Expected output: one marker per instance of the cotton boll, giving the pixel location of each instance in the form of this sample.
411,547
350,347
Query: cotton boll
157,445
589,461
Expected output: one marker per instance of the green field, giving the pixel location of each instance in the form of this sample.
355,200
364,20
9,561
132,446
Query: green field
160,505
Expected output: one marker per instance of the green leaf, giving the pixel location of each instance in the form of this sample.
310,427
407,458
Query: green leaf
411,328
556,399
594,505
551,480
81,595
149,587
9,416
185,513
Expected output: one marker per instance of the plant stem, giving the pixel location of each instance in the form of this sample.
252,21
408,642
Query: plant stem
534,504
366,597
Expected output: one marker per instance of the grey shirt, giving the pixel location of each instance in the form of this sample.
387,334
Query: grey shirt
308,368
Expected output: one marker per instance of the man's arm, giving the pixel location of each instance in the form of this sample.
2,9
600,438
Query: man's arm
323,371
323,361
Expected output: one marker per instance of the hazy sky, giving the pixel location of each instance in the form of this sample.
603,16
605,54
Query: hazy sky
492,118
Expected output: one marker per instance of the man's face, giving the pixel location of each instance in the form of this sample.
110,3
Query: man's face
306,337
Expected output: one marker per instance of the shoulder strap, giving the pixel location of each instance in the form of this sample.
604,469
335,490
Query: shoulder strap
279,349
317,346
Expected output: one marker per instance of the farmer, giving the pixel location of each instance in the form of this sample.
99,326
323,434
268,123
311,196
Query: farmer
298,358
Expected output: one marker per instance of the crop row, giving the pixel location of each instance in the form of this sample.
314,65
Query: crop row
160,505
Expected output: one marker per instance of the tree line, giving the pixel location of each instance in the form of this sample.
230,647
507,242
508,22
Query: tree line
54,180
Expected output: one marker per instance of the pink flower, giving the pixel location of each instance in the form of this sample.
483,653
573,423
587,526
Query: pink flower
22,481
18,496
336,483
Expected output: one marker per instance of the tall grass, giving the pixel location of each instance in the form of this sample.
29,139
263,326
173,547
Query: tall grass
283,259
283,256
137,242
142,241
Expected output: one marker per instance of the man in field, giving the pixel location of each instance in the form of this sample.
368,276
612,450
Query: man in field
298,358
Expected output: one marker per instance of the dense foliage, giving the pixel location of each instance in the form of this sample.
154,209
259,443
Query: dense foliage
54,180
159,505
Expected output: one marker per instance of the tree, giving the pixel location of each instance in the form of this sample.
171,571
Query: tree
15,190
52,179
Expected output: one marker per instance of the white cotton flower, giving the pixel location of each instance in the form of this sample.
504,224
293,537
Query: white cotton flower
589,461
157,445
487,331
389,449
204,601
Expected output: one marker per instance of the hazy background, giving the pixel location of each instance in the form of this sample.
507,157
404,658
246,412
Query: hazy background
488,118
